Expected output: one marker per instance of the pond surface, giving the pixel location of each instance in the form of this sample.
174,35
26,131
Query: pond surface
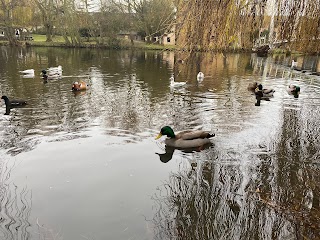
87,165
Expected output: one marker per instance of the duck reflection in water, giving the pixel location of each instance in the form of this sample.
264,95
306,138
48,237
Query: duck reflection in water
167,156
79,93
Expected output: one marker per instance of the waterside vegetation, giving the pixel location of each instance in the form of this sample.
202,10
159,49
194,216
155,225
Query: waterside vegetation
156,24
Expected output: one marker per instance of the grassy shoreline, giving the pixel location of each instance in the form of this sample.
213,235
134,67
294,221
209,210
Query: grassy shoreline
58,41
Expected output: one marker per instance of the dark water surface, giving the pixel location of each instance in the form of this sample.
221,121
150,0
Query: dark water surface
84,166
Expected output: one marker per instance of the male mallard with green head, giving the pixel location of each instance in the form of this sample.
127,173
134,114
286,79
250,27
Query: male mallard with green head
185,139
293,90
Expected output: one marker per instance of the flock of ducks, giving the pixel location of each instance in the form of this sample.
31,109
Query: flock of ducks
50,73
198,139
173,84
262,93
181,140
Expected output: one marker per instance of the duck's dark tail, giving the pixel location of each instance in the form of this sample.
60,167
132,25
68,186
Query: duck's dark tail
210,135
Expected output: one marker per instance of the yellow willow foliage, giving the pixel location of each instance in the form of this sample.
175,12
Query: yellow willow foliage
236,24
23,15
300,24
214,24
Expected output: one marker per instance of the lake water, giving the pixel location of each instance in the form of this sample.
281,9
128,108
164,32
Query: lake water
87,165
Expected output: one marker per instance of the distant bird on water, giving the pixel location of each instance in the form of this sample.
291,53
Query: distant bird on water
294,64
55,69
175,84
294,90
29,73
12,103
200,76
50,75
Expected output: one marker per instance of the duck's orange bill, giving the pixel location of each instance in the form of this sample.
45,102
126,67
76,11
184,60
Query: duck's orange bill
159,136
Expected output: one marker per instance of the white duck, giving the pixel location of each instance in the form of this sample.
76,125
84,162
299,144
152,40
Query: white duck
200,76
29,73
55,70
294,64
27,76
176,84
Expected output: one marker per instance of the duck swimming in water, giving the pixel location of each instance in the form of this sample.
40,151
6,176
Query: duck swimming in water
50,76
294,64
264,92
176,84
12,103
293,90
200,77
55,69
29,73
79,86
185,139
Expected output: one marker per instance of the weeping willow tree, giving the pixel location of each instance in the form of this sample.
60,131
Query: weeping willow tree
300,24
8,18
236,24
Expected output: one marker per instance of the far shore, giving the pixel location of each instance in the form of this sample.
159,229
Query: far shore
58,41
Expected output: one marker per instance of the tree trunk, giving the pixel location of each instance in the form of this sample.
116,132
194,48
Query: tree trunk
10,35
49,29
9,30
65,37
131,39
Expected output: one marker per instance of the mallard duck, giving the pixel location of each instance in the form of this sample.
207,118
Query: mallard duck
264,92
200,76
294,90
12,103
49,76
176,84
185,139
252,86
79,86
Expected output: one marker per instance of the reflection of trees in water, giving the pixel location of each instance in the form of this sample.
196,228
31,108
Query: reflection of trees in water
275,199
298,173
15,207
212,205
14,137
